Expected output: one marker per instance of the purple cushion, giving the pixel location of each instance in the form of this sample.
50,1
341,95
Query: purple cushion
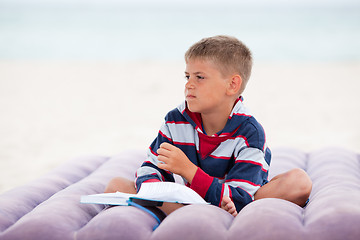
49,207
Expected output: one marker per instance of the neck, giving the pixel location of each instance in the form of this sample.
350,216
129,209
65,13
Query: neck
215,121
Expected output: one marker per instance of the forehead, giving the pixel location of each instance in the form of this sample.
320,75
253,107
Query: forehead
200,65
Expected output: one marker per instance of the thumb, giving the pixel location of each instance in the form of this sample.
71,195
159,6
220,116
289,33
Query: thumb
162,165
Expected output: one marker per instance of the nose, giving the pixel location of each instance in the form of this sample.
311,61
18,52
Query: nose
189,83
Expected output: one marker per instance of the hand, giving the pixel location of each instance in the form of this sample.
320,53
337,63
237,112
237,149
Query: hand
175,161
228,206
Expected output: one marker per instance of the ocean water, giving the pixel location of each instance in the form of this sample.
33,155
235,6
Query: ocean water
164,32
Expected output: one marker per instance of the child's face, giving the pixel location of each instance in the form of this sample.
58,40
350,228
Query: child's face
205,90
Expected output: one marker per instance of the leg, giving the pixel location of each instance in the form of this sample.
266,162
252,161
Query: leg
127,186
119,184
294,186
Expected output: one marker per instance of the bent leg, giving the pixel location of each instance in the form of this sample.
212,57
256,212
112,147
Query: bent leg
127,186
120,184
294,186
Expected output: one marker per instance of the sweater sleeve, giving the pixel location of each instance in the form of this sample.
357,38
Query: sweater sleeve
149,172
247,175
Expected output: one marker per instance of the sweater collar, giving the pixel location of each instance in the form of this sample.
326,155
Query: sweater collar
238,115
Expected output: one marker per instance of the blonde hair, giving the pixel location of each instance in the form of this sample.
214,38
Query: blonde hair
226,52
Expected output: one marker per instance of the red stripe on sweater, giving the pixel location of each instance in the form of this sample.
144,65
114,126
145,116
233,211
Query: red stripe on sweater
240,114
153,151
177,122
251,162
162,134
220,157
201,182
184,143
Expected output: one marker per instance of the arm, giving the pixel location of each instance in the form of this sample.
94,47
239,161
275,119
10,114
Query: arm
242,182
149,171
174,131
174,160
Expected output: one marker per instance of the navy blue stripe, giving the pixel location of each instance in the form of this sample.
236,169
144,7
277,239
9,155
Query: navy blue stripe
248,171
175,115
241,197
168,177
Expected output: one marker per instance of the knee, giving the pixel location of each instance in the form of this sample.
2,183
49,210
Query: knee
120,184
301,183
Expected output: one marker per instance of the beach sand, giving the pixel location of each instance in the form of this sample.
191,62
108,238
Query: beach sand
53,111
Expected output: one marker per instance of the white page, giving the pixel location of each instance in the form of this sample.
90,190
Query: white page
169,192
118,198
155,191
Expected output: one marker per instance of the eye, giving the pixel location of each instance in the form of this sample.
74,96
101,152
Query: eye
187,77
199,77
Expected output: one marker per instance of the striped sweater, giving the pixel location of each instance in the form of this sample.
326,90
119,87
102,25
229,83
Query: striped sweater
233,162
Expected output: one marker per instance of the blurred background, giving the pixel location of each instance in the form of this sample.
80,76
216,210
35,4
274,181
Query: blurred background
85,77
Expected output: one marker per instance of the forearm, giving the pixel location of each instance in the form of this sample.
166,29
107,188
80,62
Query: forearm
189,173
213,190
150,172
173,159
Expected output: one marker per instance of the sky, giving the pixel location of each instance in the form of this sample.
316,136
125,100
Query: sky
71,28
192,2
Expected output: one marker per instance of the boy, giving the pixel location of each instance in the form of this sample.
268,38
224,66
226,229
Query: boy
212,141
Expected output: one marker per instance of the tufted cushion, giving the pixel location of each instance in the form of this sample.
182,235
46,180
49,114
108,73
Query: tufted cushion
49,207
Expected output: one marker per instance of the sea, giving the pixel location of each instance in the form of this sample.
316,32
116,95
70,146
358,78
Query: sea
116,31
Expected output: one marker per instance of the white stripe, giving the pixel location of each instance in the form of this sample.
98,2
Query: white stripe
152,157
245,186
165,130
147,171
265,147
182,132
182,106
254,155
240,108
142,171
197,144
199,129
226,148
226,190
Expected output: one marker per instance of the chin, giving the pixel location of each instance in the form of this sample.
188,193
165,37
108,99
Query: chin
193,109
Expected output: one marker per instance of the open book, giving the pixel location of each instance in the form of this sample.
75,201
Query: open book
155,192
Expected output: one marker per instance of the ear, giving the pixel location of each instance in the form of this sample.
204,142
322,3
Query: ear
234,85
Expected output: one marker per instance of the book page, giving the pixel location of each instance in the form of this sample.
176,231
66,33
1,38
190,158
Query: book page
154,191
118,198
169,192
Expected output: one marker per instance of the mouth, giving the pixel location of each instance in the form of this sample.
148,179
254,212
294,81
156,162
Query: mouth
189,97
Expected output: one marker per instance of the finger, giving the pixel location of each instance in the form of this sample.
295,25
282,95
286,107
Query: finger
234,214
163,151
225,206
226,200
229,205
167,146
162,166
233,211
163,159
